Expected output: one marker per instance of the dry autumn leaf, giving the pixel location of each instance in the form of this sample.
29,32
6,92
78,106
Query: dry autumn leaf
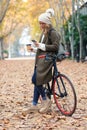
16,93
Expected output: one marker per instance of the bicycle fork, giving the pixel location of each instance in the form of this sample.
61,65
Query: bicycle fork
61,94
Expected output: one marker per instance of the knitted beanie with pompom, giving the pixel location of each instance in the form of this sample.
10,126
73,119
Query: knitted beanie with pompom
46,17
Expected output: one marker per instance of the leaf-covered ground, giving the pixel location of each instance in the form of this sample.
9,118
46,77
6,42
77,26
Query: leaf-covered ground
16,92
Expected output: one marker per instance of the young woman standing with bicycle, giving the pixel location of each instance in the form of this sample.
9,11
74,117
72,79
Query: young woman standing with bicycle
43,68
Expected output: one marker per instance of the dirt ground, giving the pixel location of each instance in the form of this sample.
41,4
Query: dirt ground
16,92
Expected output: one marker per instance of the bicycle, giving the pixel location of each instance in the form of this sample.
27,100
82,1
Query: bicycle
61,88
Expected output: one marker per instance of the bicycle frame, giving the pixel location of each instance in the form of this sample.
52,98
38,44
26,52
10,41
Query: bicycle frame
56,73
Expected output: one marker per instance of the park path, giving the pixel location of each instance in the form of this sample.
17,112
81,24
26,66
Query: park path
16,93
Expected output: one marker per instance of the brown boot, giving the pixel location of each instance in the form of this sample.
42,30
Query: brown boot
46,106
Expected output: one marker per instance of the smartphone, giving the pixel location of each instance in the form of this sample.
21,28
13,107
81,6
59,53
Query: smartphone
33,40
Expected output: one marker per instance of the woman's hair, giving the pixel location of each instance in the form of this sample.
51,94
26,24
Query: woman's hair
47,27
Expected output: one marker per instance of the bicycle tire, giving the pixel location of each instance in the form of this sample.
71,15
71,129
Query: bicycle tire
66,104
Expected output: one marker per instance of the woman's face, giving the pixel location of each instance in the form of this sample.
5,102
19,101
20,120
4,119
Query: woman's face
42,25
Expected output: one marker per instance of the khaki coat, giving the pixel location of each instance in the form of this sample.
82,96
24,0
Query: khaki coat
44,67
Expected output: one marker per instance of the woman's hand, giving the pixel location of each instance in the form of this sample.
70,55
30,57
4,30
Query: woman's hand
31,49
37,44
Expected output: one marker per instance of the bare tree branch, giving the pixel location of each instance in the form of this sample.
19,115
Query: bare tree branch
3,10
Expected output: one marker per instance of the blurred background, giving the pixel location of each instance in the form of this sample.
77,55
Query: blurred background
19,25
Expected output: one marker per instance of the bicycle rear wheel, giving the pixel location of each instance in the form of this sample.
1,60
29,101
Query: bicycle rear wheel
64,95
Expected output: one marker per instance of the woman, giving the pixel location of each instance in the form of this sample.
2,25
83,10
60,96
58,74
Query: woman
43,68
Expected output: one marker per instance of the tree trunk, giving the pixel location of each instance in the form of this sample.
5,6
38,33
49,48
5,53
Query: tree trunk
72,37
3,10
1,49
79,29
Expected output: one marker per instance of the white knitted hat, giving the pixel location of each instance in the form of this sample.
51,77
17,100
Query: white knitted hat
46,17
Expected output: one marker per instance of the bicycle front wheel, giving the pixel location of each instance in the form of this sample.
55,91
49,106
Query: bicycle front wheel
64,95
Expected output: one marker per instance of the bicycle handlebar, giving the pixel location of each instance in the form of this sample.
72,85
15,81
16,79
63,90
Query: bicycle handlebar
58,57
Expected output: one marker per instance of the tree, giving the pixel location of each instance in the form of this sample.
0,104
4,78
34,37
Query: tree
19,15
79,28
3,9
72,25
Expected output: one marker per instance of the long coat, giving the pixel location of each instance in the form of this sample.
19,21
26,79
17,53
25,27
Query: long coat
44,67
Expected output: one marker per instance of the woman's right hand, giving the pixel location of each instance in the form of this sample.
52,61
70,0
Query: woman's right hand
37,44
